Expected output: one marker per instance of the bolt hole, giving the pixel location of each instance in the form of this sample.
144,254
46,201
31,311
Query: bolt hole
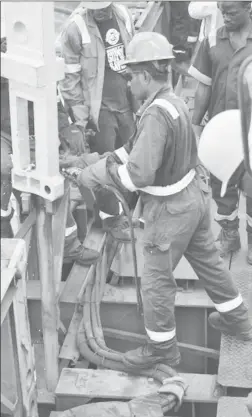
20,32
47,189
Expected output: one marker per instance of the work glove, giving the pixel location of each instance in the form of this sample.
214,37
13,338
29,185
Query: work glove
68,160
72,174
175,387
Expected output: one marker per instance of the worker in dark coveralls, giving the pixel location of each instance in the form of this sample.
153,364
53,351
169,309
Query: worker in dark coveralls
216,68
162,167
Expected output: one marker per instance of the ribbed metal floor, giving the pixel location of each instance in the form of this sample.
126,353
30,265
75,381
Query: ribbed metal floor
232,407
235,366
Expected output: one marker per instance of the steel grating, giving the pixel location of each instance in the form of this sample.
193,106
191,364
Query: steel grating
235,365
232,407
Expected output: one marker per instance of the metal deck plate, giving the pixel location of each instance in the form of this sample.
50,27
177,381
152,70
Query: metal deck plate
235,366
232,407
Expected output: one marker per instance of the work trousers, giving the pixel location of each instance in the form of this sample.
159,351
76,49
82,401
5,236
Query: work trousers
175,226
115,129
227,206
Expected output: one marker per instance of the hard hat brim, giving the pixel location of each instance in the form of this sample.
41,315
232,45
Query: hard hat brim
135,61
96,5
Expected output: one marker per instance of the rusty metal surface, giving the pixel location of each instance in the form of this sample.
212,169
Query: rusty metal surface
235,366
232,407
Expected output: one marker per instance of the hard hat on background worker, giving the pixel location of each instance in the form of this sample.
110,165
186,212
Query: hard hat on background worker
220,147
148,46
95,5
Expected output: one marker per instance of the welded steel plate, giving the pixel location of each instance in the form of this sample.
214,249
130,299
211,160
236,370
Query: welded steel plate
232,407
235,366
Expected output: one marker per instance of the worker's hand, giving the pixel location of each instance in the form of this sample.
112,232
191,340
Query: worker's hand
72,174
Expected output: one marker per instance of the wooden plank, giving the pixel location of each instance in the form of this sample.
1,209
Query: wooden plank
34,289
82,383
69,348
50,319
7,301
78,273
127,295
7,276
44,396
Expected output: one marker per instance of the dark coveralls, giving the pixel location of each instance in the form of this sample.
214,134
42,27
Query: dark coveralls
162,162
217,65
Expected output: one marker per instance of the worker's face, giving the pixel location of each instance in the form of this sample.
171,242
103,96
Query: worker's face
138,84
102,14
235,15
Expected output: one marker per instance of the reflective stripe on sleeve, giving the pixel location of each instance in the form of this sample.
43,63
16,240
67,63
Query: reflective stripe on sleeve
79,21
122,154
229,305
249,220
72,68
161,336
70,230
125,178
204,79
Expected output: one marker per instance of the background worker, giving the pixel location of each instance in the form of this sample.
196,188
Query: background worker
216,68
94,89
162,166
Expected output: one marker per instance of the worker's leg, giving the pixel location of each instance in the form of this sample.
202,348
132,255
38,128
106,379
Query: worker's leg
6,188
205,259
249,228
74,251
227,215
169,227
105,139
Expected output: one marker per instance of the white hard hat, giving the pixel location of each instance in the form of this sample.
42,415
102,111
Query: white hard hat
96,5
220,147
148,46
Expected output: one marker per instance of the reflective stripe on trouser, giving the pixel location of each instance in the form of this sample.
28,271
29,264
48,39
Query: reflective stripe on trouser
182,225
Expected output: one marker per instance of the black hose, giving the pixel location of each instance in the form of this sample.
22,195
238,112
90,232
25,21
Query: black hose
126,210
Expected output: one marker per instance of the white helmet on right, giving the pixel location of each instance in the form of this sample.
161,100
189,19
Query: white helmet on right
3,30
220,147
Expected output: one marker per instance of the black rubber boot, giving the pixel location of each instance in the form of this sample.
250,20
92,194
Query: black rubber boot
6,229
249,253
235,323
228,240
152,353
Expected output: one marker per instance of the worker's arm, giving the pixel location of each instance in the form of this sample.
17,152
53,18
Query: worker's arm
201,102
201,70
201,9
147,154
72,88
